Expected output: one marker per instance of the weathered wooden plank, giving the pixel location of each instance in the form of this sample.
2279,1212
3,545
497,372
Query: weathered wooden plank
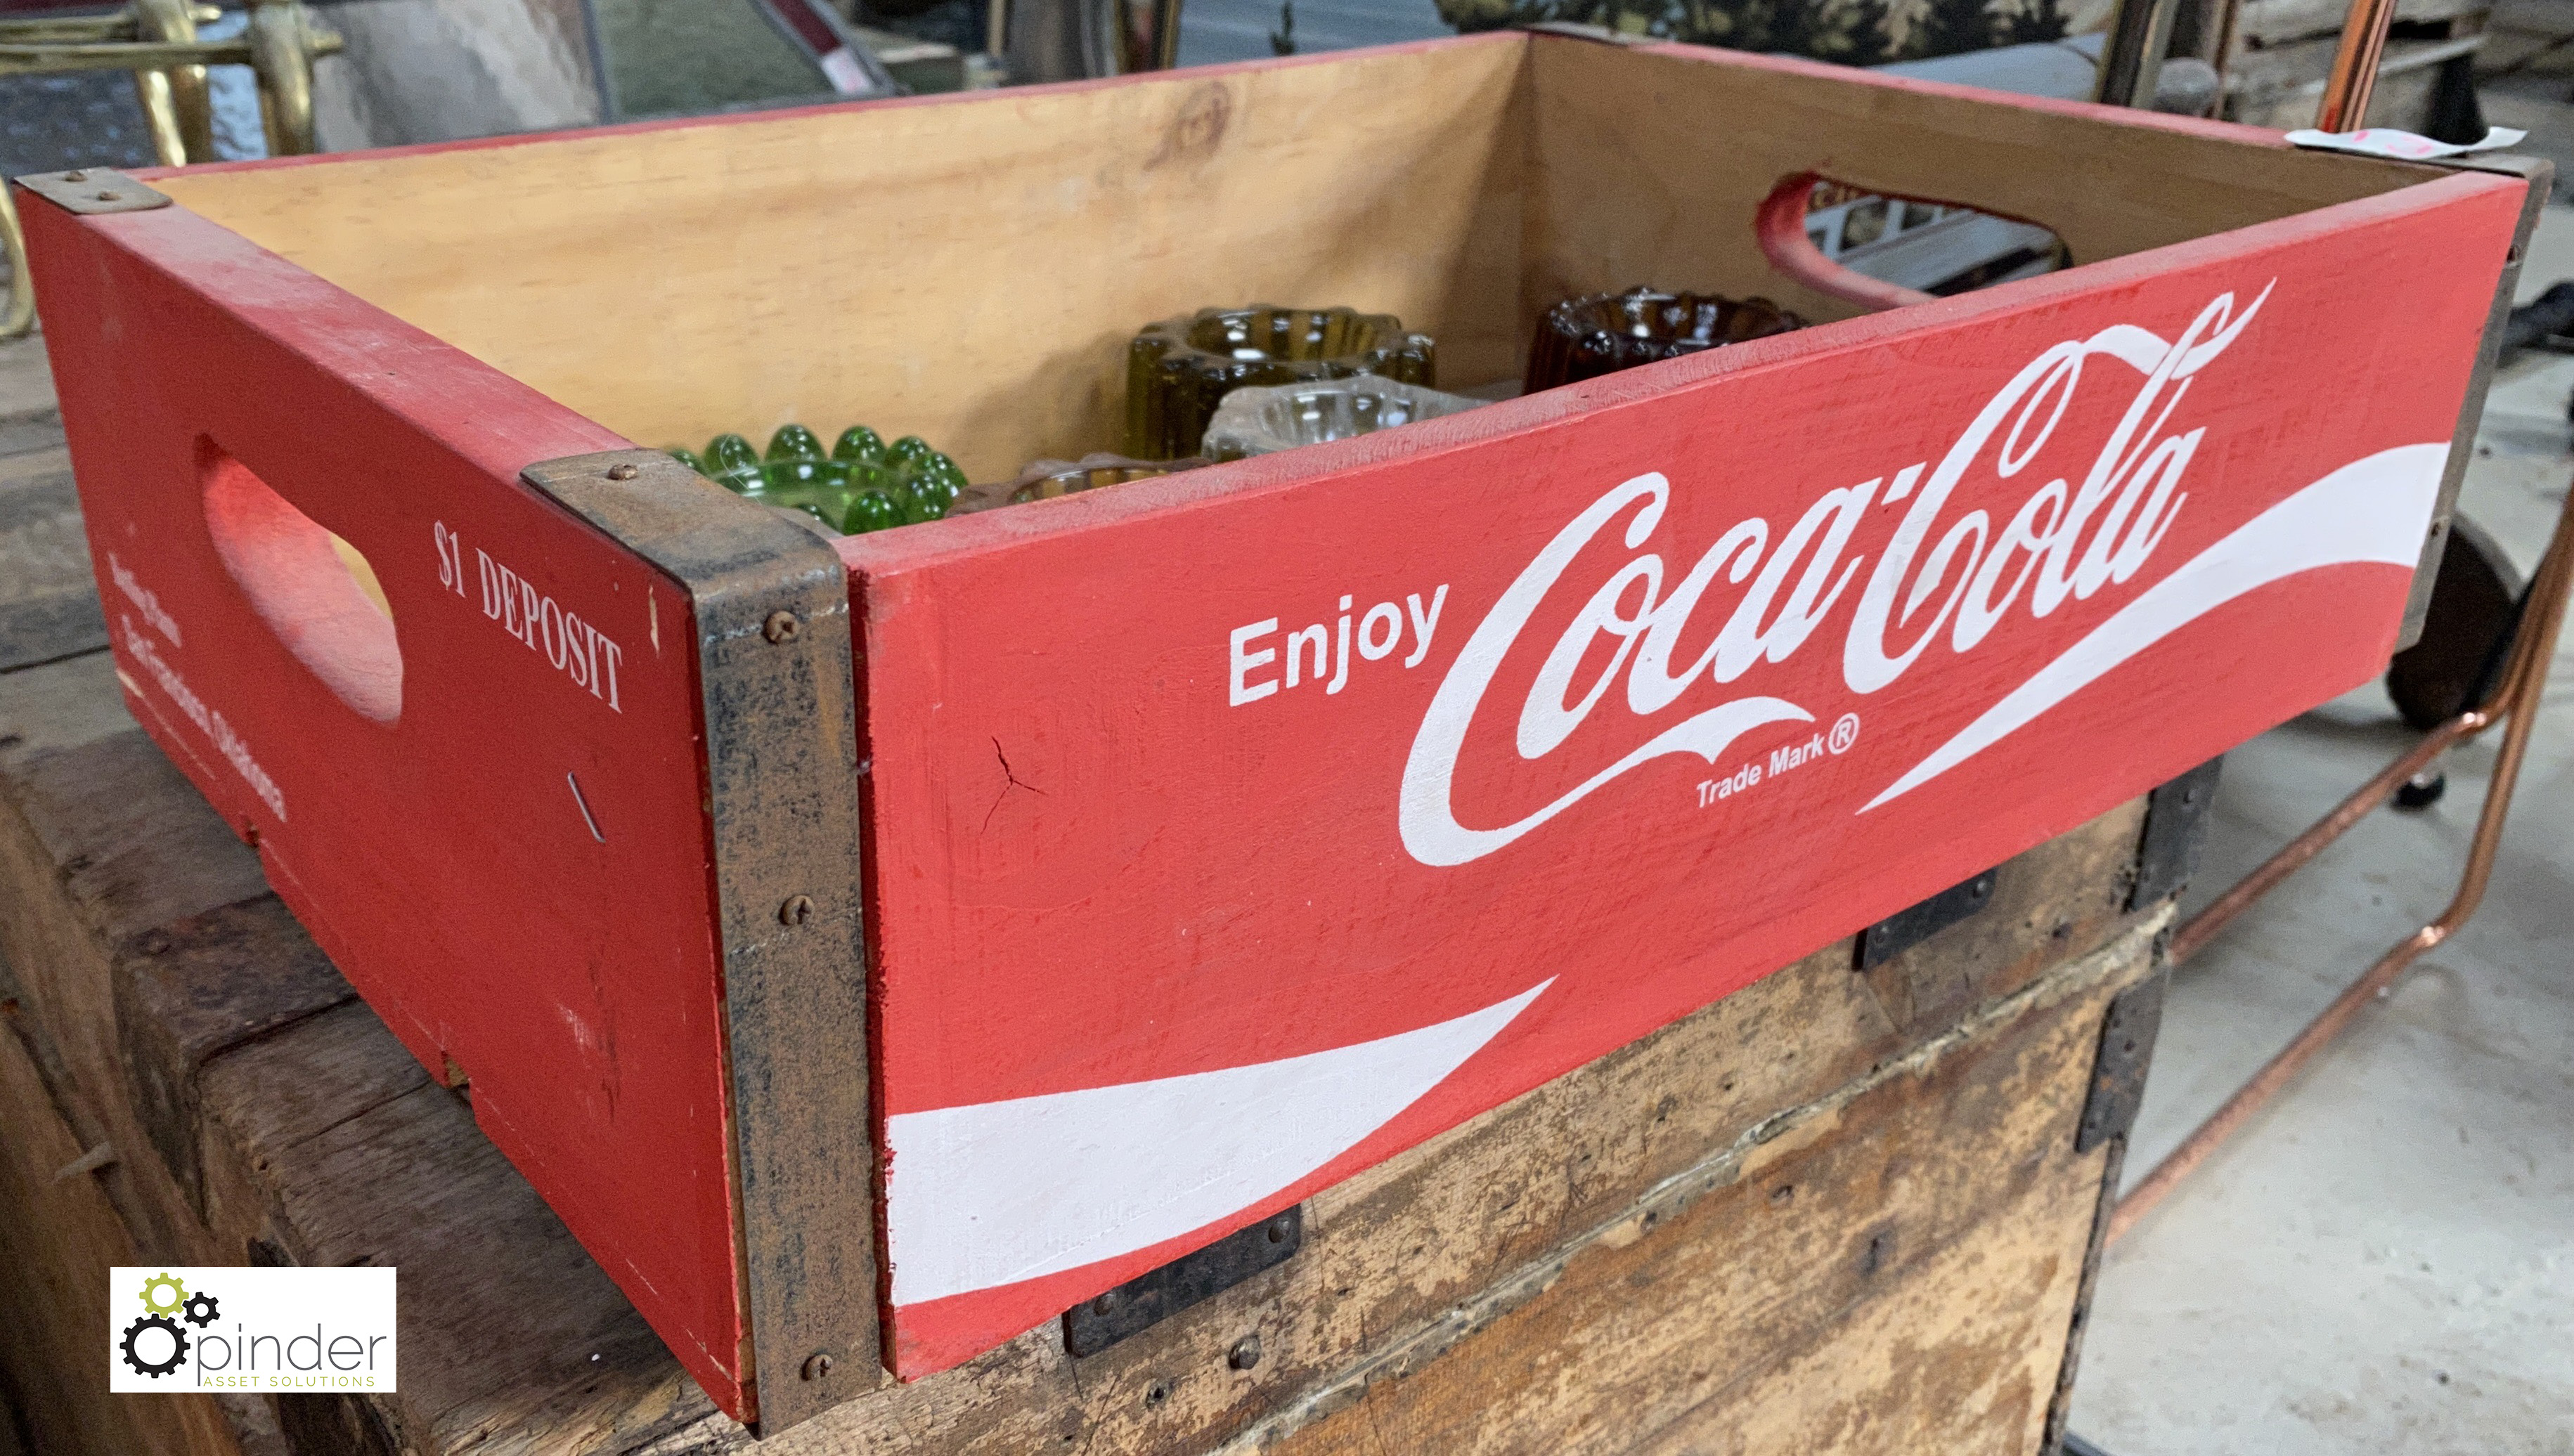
26,378
189,992
103,844
2061,899
60,706
159,971
1396,1250
58,1237
48,608
408,1183
1920,1238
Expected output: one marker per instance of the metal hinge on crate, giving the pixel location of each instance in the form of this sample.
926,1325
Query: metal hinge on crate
2175,830
2118,1071
1148,1299
94,190
1910,927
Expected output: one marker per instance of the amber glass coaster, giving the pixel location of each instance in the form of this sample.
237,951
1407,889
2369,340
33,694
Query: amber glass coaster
1045,479
1178,369
1582,338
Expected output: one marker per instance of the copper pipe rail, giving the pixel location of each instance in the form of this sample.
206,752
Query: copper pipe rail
2516,699
2202,928
2354,68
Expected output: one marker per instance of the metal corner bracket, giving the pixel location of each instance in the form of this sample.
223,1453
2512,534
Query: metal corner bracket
769,602
91,190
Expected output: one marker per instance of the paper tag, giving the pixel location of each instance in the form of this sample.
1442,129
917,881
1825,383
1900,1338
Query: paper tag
2402,146
850,78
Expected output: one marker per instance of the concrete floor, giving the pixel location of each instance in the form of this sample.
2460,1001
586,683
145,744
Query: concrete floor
2383,1261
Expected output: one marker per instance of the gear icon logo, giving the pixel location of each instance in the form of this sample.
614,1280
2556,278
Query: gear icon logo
202,1309
172,1295
133,1337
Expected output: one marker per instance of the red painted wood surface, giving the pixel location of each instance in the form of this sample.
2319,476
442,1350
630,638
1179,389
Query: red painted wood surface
1150,961
411,786
1117,863
1780,229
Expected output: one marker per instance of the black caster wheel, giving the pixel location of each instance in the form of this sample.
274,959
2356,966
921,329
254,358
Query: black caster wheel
2475,604
2422,790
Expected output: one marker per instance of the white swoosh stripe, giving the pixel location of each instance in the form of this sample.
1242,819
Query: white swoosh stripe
2373,509
1002,1191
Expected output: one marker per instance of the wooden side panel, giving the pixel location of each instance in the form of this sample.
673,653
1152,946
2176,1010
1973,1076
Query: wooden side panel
967,270
1637,181
473,771
1238,829
1895,1275
1406,1258
904,262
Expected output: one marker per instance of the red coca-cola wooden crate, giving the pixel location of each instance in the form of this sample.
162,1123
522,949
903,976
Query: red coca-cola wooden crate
1176,850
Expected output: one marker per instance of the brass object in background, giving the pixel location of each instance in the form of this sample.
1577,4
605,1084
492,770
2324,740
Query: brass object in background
176,104
115,43
283,45
157,41
22,289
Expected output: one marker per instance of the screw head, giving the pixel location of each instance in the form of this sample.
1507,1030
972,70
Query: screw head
75,176
781,627
106,194
817,1365
623,471
797,910
1245,1353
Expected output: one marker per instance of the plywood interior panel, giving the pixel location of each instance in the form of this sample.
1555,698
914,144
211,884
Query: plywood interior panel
969,271
1649,163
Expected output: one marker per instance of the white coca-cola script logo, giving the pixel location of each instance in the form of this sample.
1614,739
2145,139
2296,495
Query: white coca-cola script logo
2063,539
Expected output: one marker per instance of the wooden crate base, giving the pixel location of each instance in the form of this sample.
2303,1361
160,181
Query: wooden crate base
1871,1234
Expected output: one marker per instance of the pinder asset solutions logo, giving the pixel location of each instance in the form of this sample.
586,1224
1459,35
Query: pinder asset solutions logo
272,1329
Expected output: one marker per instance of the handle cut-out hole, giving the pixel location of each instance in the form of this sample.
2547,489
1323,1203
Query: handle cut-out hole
316,591
1888,251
